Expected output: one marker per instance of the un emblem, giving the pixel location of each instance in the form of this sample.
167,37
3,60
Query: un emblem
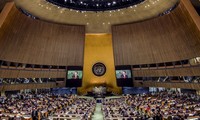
99,69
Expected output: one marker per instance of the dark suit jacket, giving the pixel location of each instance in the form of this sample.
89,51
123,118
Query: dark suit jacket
34,114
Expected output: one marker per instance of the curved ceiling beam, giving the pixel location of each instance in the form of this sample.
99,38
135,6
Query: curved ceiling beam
96,22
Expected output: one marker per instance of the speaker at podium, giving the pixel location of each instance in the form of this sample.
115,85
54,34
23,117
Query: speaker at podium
99,91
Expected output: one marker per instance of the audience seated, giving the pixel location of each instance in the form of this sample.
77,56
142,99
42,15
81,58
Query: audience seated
44,105
158,106
117,108
48,106
81,109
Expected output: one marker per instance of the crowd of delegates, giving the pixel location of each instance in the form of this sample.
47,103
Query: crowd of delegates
155,106
45,106
117,108
80,109
25,80
186,79
159,106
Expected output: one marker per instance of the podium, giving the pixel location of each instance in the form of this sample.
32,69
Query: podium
99,91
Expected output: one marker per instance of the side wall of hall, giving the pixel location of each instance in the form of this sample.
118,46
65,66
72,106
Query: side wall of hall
171,37
30,41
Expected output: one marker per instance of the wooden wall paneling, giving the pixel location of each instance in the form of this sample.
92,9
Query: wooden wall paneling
192,71
3,3
196,71
31,74
171,37
26,40
167,85
5,12
28,86
193,13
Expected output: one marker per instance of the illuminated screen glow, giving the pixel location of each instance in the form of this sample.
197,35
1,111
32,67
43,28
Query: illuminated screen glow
123,74
74,74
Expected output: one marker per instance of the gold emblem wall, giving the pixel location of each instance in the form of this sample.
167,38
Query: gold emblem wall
98,48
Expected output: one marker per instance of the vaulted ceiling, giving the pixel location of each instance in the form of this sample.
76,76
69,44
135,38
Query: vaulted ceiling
96,22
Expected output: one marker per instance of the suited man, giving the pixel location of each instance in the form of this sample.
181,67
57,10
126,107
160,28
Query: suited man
75,75
35,114
124,75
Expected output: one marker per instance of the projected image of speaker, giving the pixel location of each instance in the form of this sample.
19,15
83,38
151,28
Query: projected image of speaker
74,76
124,76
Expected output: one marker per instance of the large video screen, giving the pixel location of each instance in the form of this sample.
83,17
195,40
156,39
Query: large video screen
123,74
74,74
